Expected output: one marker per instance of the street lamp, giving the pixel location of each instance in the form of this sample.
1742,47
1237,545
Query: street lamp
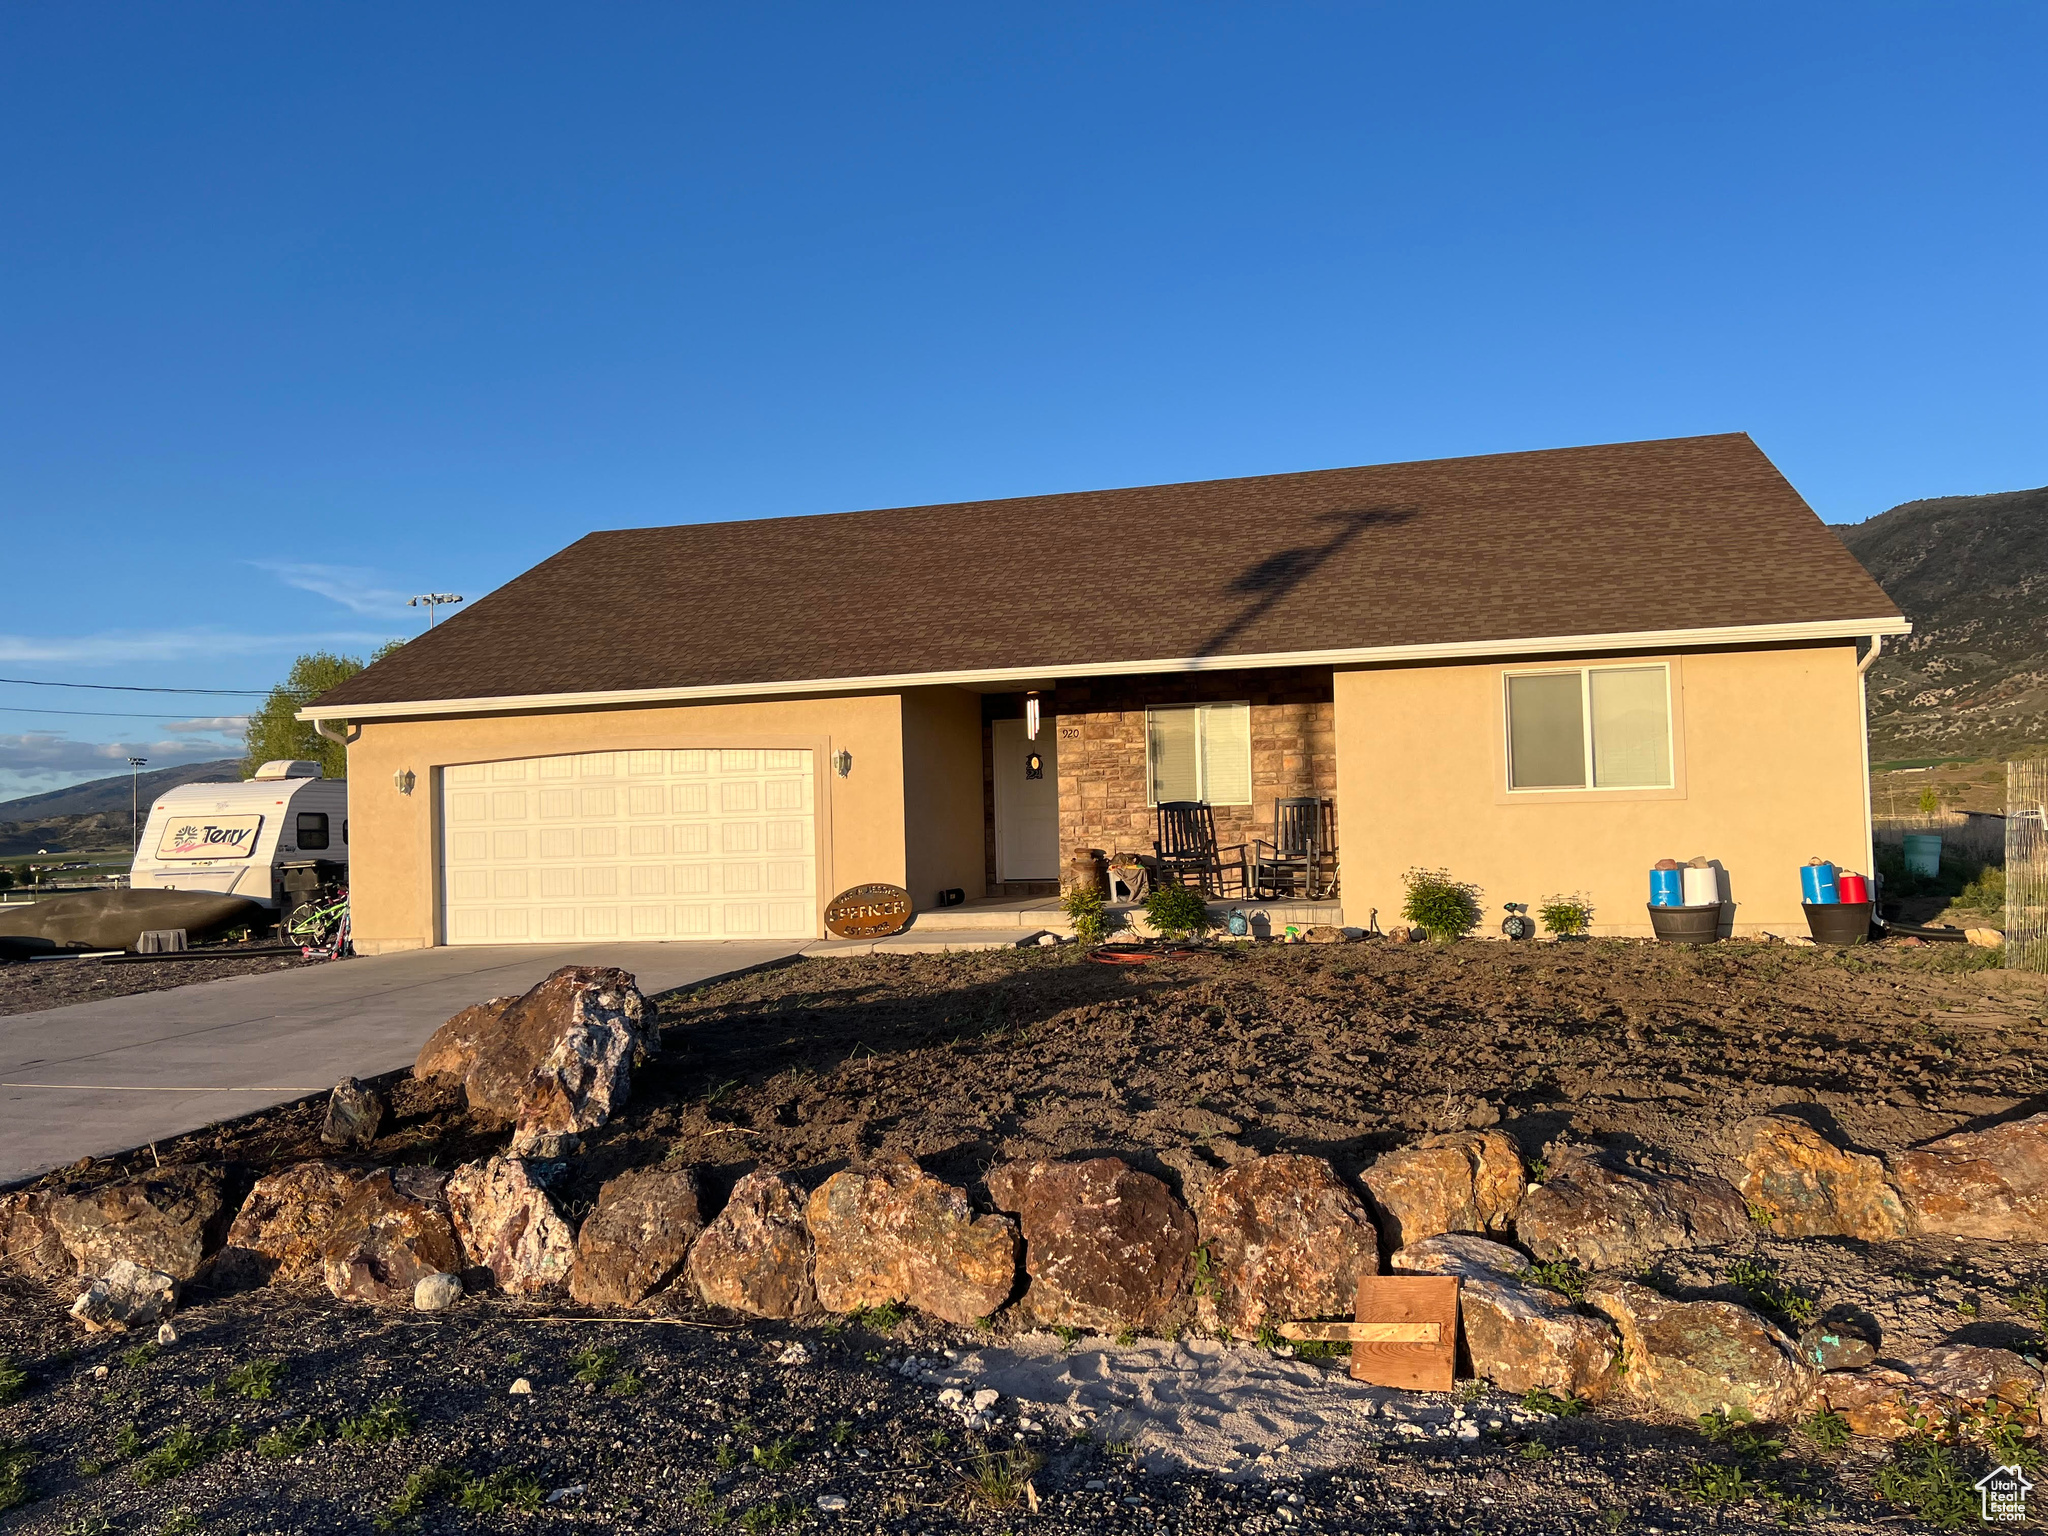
431,601
135,767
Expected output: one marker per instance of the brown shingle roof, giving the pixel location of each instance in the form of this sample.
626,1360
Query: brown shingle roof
1687,533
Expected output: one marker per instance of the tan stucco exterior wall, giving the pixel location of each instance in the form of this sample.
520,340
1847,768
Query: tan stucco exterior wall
1769,768
393,841
942,794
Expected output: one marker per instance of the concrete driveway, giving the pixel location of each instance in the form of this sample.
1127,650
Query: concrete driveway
98,1078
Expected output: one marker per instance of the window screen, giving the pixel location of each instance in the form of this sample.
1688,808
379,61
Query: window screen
1615,721
312,829
1631,727
1546,731
1200,752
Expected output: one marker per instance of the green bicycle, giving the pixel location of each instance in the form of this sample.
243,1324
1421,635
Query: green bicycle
320,926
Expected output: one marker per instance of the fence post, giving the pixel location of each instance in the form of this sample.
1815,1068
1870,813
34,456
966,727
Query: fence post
2026,864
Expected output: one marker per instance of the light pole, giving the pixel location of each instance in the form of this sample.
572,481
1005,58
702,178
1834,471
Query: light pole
431,601
135,767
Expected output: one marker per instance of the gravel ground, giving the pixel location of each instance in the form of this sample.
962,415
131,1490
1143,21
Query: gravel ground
971,1059
666,1427
28,986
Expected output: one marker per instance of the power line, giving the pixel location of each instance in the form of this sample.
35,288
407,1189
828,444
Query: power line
97,714
30,682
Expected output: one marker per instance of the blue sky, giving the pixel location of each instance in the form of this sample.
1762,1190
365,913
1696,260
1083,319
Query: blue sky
304,309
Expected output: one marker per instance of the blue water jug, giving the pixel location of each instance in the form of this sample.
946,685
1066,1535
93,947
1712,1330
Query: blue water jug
1667,887
1817,885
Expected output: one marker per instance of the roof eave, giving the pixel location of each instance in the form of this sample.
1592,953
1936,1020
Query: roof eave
1628,640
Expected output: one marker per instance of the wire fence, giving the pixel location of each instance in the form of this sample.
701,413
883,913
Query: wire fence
2026,864
1974,834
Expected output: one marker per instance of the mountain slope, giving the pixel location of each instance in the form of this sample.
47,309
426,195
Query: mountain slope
111,794
1971,572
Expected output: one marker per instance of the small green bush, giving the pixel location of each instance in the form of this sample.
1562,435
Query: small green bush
13,1380
1984,894
1566,915
1927,1477
1088,910
1442,907
1177,912
15,1460
1559,1275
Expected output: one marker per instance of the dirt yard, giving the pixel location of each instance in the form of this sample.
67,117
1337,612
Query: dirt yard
29,986
965,1061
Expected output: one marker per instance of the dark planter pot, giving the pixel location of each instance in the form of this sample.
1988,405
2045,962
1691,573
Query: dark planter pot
1686,925
1838,922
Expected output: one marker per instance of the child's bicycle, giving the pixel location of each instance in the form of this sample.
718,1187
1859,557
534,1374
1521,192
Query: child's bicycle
320,926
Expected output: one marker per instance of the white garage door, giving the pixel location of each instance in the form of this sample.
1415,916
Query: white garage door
699,844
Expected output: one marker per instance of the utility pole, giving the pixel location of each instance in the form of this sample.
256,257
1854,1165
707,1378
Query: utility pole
135,767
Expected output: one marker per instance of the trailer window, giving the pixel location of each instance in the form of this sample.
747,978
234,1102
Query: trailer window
312,829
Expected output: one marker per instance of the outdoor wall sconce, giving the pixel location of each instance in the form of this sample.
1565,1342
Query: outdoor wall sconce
403,781
842,762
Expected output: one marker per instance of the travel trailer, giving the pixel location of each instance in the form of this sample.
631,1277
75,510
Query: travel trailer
271,839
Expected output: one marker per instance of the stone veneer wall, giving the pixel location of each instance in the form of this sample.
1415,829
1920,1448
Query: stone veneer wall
1100,727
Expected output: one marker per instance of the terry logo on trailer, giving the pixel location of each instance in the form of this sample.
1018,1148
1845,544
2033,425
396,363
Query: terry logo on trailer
217,837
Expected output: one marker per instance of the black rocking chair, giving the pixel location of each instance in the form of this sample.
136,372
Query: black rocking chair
1185,846
1291,864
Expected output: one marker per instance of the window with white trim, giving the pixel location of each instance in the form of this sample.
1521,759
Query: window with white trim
1589,728
1199,752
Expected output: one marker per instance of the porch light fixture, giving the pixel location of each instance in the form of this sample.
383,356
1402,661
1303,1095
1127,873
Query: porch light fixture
403,781
1031,716
842,762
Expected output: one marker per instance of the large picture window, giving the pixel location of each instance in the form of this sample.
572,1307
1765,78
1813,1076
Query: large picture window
1200,752
1590,728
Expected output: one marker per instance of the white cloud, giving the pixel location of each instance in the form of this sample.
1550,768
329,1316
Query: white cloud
222,724
351,586
119,646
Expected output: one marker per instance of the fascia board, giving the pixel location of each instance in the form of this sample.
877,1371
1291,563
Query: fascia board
1627,640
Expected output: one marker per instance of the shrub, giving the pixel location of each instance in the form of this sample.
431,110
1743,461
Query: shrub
1986,893
13,1380
1565,915
1088,911
1177,912
1442,907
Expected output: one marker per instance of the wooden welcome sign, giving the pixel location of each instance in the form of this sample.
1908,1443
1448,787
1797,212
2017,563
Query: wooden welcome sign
869,912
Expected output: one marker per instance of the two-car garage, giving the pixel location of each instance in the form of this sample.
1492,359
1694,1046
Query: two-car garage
703,843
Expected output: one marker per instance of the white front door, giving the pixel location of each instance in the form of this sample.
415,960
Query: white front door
1027,803
697,844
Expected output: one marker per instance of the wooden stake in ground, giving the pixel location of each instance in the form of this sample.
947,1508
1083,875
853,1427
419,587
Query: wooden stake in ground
1407,1332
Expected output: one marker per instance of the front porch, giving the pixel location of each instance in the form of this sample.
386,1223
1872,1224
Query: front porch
1042,914
1109,750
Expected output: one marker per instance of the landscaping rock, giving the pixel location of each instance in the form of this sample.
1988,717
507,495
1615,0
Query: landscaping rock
390,1234
1106,1247
587,1075
1990,1184
283,1226
509,1225
756,1256
437,1293
167,1219
354,1115
636,1239
1520,1337
891,1232
1286,1240
128,1295
1830,1346
1693,1357
1601,1214
453,1048
1812,1188
1463,1182
499,1047
29,1240
1886,1402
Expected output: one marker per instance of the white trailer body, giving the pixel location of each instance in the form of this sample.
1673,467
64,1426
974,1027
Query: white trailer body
235,838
